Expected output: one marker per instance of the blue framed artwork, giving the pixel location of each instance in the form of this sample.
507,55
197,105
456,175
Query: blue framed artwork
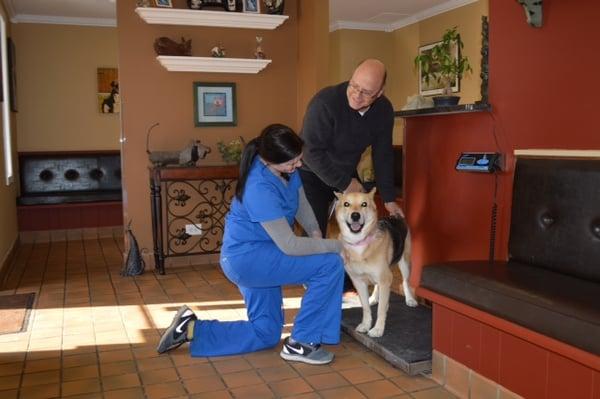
214,104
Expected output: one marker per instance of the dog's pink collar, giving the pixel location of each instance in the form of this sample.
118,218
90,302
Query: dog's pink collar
364,241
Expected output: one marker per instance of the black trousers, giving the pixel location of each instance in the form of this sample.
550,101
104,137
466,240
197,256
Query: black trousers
320,197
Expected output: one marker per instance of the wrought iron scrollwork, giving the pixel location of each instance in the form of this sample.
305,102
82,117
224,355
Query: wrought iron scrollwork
181,197
195,212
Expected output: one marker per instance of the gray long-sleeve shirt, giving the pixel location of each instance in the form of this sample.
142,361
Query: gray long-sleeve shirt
289,243
335,136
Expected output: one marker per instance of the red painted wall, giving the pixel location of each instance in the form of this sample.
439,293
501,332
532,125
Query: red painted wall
544,88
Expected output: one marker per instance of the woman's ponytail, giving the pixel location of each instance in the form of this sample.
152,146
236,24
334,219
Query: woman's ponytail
248,155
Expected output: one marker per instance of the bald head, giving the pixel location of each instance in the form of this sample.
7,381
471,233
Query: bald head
366,84
372,70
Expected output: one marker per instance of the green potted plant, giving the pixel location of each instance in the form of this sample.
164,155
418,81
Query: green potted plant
444,64
232,151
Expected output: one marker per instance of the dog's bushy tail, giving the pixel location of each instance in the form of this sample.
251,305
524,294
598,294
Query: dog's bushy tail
398,230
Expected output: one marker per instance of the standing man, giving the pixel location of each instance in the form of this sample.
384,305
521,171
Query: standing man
341,121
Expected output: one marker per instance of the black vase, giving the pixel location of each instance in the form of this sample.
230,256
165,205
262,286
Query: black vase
274,6
445,101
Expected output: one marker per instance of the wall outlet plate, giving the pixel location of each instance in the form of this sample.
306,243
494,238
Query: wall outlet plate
193,229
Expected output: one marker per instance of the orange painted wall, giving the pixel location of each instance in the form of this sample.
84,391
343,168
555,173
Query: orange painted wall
150,94
543,91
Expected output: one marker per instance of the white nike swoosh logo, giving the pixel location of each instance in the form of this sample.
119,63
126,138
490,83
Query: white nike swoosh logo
298,351
178,328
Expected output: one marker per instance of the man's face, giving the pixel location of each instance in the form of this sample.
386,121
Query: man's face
362,90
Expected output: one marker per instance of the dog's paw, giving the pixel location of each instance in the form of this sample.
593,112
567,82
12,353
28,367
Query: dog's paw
362,328
412,302
375,332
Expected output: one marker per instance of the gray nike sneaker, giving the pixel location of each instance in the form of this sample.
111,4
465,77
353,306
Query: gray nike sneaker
311,354
176,334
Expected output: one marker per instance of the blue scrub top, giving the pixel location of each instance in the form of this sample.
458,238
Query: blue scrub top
265,198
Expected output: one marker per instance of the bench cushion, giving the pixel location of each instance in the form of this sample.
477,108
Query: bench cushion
555,221
562,307
69,177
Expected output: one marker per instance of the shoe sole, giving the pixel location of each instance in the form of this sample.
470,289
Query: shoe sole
169,329
303,359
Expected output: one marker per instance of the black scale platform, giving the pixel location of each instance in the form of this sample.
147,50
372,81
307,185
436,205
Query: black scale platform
406,342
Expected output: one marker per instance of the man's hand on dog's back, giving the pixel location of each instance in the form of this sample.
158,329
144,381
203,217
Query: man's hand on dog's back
394,209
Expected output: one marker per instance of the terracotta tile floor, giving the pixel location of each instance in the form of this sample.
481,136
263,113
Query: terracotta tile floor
93,333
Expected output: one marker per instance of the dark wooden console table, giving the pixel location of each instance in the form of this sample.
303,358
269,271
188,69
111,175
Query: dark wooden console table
188,209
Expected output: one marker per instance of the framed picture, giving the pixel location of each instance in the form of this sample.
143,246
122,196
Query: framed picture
214,104
434,87
252,6
109,100
164,3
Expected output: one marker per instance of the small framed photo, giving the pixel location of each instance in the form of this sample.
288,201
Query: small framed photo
252,6
164,3
214,104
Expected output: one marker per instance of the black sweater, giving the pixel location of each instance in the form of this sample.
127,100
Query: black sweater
335,136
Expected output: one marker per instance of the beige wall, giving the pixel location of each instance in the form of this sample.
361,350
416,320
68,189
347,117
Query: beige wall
151,94
353,46
398,49
8,211
57,86
468,21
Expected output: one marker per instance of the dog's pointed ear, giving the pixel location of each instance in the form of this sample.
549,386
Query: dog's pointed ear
372,192
338,195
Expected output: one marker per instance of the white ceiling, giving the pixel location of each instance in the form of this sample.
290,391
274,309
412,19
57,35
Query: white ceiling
384,15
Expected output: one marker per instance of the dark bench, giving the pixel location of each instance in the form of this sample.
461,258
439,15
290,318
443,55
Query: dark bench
551,282
61,190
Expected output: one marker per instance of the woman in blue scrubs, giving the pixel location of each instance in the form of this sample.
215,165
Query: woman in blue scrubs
261,253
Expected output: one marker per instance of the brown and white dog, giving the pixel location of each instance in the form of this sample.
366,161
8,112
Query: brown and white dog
371,246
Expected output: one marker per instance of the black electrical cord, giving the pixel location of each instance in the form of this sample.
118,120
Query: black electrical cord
493,220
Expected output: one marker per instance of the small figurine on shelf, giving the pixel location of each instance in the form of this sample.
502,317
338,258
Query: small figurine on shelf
165,46
234,5
274,6
195,4
218,51
259,54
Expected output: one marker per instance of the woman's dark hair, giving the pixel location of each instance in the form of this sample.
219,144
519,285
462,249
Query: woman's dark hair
276,144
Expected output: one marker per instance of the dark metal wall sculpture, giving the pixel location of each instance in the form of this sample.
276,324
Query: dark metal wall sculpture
533,12
485,47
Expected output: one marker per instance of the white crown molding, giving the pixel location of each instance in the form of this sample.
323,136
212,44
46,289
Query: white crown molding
337,25
10,8
401,23
212,64
431,12
49,19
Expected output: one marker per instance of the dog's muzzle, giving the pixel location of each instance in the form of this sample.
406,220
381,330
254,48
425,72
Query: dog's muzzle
356,222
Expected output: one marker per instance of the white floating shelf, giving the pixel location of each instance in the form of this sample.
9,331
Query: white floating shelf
212,64
179,16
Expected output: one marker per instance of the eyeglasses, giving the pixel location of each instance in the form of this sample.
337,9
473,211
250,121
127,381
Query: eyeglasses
361,92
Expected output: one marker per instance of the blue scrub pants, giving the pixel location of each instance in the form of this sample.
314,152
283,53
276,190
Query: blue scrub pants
259,276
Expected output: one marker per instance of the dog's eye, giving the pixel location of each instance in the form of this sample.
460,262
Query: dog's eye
364,204
346,204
